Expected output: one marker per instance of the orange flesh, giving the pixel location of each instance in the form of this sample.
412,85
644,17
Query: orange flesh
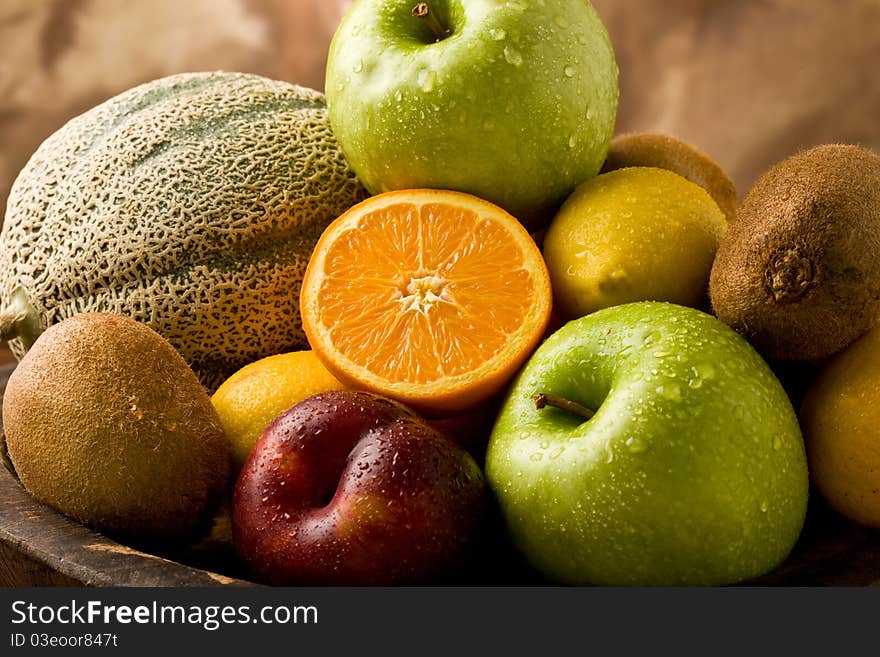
419,293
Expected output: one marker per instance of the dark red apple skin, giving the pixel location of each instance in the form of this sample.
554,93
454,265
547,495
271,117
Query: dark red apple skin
349,488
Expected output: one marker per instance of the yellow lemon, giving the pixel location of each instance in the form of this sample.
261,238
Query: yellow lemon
634,234
250,399
840,418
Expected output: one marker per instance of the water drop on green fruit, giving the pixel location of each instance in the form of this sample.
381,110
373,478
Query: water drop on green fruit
570,71
497,34
427,78
610,452
777,443
671,392
358,66
706,370
764,506
636,445
512,56
650,338
701,372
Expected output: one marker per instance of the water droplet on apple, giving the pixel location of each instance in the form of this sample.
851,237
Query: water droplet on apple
537,456
497,34
512,56
427,78
572,141
777,443
636,445
764,506
610,452
650,338
358,66
706,370
570,71
556,453
701,372
671,392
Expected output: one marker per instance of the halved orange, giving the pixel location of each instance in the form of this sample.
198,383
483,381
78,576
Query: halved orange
434,298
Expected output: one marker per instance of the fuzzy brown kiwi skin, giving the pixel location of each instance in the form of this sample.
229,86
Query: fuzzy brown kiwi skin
798,273
106,423
647,149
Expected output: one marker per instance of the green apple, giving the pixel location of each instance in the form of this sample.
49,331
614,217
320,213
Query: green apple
691,472
513,101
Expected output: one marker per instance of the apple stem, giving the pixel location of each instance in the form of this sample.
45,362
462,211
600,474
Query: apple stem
543,399
423,11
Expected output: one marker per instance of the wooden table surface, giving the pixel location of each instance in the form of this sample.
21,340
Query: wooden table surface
40,547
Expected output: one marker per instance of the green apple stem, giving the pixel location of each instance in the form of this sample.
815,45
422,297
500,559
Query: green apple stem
543,399
423,11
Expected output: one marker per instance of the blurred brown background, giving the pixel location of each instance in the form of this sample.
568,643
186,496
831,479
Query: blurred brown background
747,81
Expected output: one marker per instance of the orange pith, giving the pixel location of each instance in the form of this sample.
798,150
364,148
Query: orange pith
432,297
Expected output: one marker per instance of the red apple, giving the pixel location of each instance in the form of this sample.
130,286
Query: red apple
351,488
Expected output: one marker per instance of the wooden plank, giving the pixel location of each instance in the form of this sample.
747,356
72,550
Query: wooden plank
39,546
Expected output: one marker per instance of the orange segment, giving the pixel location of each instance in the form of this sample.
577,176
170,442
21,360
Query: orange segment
434,298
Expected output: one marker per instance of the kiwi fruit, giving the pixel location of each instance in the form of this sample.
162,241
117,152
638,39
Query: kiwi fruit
798,272
647,149
106,423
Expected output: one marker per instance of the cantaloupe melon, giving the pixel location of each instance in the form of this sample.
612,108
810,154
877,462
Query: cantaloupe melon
191,203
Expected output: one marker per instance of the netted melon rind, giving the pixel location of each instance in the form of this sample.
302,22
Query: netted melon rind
191,203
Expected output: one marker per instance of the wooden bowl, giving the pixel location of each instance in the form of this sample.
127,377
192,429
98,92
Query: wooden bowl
40,547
